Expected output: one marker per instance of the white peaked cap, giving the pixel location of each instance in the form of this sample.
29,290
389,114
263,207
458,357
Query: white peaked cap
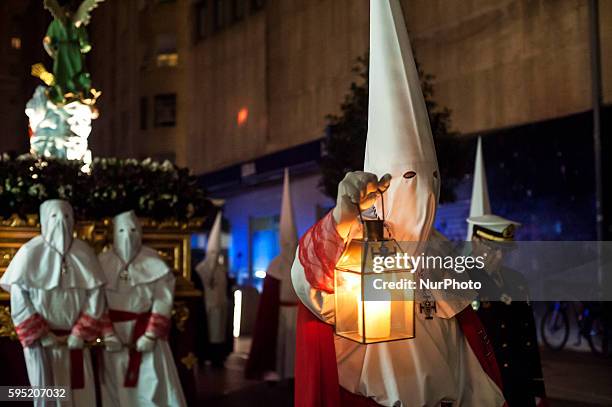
398,125
280,267
480,204
213,247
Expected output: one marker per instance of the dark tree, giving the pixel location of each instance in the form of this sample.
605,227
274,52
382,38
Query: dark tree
346,136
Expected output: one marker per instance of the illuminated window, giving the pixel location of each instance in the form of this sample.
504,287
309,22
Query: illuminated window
242,117
166,53
15,42
170,60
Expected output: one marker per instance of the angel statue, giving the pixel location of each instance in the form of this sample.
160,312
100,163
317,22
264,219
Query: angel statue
60,113
67,43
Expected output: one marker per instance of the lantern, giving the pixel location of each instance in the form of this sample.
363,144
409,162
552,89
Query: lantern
367,310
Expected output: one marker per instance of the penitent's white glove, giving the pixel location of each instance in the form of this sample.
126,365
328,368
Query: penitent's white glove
75,342
357,191
48,340
145,343
112,343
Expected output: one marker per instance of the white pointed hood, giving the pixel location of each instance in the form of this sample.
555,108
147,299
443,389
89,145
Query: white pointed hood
399,134
280,267
213,249
127,236
143,264
480,204
54,258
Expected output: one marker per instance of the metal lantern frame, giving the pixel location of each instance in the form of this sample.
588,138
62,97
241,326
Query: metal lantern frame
373,238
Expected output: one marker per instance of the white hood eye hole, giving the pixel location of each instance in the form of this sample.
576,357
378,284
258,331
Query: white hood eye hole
409,174
121,230
435,174
133,229
54,215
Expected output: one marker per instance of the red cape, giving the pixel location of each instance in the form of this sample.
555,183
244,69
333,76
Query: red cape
262,357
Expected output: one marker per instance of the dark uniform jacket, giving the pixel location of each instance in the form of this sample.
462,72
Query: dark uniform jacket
507,316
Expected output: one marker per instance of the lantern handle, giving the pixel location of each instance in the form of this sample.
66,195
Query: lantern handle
359,212
382,201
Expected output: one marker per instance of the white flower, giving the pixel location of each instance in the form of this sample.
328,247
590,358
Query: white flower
167,166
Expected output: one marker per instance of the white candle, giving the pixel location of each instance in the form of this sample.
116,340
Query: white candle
378,319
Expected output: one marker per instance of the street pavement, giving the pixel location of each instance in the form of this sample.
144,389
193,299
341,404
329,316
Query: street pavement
573,379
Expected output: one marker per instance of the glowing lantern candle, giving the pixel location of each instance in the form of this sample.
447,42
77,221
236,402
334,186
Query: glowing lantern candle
364,313
378,321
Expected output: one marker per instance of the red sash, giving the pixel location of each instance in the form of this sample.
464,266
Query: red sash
133,369
77,372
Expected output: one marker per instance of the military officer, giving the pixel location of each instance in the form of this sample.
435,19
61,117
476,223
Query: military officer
506,313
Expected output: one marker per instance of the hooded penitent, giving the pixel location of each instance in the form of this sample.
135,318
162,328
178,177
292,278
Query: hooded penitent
56,283
54,258
280,267
439,363
273,346
214,280
480,204
399,135
139,369
213,249
128,258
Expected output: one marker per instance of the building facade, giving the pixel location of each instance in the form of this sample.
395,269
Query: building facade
239,89
22,28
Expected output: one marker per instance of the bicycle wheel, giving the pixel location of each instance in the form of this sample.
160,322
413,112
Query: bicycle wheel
598,338
554,329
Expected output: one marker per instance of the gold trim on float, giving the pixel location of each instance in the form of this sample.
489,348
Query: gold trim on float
189,361
170,238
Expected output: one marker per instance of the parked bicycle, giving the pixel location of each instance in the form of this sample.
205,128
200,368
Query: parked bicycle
590,321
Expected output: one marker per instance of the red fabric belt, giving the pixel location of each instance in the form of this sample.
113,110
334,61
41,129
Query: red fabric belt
77,372
133,369
288,304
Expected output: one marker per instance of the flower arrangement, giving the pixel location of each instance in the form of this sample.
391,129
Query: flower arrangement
159,191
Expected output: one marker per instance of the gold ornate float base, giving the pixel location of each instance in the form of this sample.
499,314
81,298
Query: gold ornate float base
171,239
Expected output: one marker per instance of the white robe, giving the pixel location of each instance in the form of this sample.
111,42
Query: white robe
438,364
158,382
60,308
214,281
287,324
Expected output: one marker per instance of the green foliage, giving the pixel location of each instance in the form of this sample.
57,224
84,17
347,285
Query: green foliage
347,132
159,191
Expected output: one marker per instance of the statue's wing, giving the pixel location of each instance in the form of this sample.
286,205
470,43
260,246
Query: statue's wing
82,15
55,9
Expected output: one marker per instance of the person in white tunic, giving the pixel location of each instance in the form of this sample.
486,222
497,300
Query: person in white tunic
139,369
213,273
280,268
55,283
438,366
